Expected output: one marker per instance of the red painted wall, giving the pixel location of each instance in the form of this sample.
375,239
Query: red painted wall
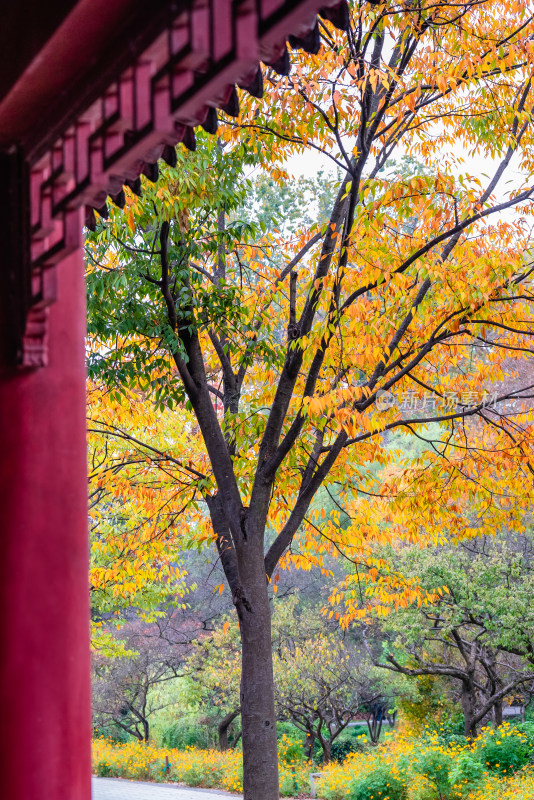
44,608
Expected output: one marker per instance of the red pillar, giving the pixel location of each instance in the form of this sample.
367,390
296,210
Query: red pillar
44,608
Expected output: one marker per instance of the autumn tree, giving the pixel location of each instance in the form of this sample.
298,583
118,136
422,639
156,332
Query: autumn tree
269,365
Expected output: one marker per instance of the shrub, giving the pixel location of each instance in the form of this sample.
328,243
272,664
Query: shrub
287,728
379,784
289,786
455,738
402,768
467,771
139,761
504,750
342,747
435,765
527,729
182,735
529,712
112,733
104,770
194,776
290,750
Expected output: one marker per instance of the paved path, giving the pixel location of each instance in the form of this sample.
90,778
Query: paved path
116,789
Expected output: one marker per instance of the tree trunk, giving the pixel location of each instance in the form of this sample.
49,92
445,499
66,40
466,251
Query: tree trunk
260,753
326,744
468,706
223,726
374,723
497,714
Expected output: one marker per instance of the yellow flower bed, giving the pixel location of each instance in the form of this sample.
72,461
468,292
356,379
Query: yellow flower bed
338,779
144,762
398,756
402,759
194,767
519,787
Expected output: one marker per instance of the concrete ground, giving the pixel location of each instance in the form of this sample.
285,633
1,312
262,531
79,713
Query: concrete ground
118,789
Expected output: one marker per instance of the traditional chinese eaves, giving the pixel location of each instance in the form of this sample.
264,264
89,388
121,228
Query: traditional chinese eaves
204,76
99,92
113,87
180,68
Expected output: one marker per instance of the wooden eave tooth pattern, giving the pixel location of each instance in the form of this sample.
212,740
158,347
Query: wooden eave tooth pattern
191,69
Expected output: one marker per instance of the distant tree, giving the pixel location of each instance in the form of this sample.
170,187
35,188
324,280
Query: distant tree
478,630
378,709
213,669
125,685
320,687
287,206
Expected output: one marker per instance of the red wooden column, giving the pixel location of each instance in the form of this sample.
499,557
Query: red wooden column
44,608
